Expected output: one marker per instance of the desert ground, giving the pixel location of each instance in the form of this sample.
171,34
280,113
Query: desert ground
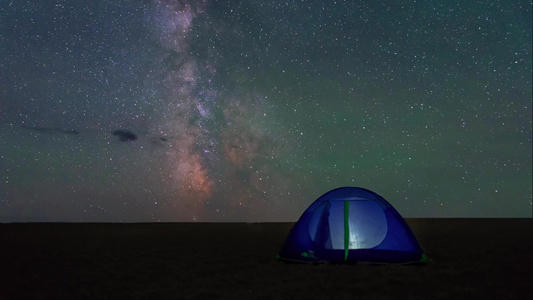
472,259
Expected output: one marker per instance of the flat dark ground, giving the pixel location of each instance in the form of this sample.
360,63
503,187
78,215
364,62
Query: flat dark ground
473,259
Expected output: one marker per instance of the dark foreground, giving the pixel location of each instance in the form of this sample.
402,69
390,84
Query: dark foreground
473,258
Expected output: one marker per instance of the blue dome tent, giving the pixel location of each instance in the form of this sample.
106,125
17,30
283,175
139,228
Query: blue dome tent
351,224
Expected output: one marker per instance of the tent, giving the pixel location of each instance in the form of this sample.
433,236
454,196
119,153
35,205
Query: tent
351,224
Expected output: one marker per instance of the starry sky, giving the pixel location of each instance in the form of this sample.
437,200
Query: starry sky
247,111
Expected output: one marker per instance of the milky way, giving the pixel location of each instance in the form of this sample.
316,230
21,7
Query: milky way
220,151
250,110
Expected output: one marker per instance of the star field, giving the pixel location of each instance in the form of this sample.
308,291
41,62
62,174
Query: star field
249,111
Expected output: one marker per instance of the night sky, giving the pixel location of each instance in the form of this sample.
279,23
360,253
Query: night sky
146,111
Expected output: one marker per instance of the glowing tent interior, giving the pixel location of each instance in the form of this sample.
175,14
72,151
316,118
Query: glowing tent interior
351,224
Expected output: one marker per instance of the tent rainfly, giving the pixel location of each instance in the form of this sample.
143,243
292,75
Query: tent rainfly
351,224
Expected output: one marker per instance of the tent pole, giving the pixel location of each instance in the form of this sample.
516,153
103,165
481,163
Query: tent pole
346,229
